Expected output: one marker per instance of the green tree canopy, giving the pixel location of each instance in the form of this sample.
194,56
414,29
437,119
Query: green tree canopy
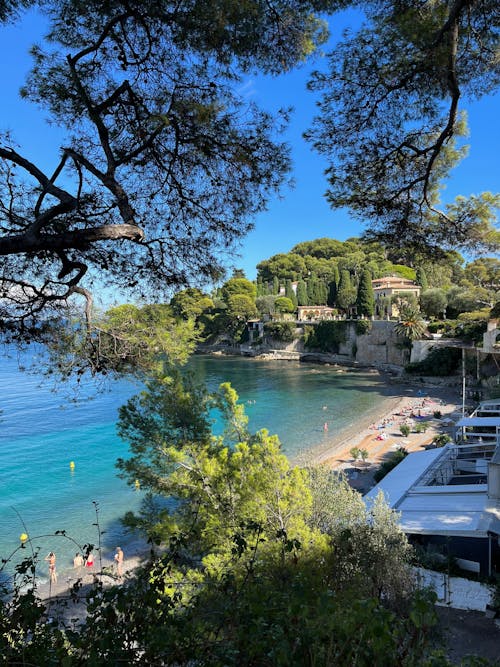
190,303
282,266
241,307
433,302
365,299
125,339
302,298
421,279
346,293
284,305
163,165
266,305
238,286
391,125
261,562
483,272
324,248
289,293
462,300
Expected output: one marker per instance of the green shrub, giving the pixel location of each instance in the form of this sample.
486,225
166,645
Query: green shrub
280,331
405,430
471,331
327,336
386,467
440,361
441,440
421,427
435,326
363,327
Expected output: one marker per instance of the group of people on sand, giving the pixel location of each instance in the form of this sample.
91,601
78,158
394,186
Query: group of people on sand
79,561
88,563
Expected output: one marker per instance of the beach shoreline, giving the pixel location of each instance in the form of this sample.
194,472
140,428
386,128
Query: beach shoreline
350,435
445,399
378,432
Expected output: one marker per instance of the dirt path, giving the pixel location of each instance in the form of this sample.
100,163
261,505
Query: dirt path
465,633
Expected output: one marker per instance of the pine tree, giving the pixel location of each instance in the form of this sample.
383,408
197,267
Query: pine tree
365,299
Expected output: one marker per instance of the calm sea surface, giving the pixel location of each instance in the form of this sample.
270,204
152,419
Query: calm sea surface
40,433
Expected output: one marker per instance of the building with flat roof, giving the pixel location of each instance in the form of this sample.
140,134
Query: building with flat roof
308,313
449,501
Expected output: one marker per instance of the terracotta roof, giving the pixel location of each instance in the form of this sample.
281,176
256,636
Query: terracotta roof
393,281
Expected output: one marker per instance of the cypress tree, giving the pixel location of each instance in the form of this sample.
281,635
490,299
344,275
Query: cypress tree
322,293
365,300
276,285
335,274
346,295
302,299
312,289
332,294
422,279
289,293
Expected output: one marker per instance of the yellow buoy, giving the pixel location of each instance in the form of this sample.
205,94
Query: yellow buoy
137,484
23,537
72,465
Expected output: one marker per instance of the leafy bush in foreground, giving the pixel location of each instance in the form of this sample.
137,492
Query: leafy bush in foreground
261,563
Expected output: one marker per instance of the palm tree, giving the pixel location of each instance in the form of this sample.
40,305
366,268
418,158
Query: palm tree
410,326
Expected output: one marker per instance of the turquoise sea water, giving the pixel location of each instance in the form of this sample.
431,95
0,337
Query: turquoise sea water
39,438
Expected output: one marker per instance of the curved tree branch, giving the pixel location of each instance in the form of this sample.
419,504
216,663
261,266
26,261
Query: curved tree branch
78,238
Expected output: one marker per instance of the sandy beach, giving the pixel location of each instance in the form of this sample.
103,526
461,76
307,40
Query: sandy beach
379,432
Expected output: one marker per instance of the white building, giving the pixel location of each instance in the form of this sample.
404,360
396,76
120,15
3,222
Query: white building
449,500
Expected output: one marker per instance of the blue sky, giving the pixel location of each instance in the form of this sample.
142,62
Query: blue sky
302,213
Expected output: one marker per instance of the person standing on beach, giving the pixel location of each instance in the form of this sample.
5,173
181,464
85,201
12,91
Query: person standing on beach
78,561
119,562
51,559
